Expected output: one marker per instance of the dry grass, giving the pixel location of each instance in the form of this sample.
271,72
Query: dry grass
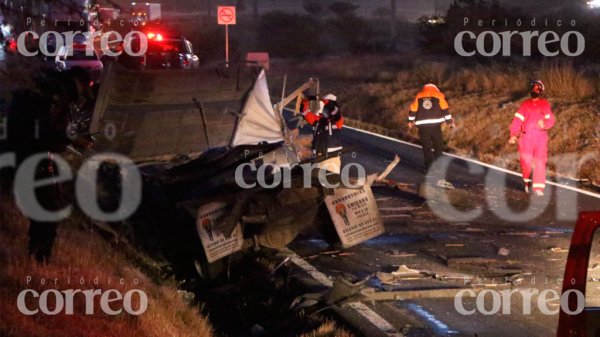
328,329
565,82
81,254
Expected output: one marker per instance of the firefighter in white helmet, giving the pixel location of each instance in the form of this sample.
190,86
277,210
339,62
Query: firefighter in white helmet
327,123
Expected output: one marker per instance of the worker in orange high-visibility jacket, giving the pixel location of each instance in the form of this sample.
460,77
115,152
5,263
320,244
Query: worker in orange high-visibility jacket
428,111
327,122
530,127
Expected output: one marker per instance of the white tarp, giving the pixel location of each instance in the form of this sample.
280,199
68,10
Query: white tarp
258,121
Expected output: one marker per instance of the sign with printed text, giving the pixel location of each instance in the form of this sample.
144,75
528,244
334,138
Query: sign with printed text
209,225
355,215
226,15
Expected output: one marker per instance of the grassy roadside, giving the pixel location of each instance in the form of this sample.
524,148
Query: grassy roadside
86,258
82,254
377,90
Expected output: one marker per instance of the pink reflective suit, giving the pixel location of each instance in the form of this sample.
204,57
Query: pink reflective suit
533,140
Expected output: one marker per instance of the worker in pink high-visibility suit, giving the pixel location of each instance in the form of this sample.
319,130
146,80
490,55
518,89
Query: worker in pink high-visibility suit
530,127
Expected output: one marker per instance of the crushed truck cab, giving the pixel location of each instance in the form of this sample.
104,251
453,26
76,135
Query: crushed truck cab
232,196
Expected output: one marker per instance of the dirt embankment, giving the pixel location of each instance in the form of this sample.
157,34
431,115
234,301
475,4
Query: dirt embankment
376,91
83,260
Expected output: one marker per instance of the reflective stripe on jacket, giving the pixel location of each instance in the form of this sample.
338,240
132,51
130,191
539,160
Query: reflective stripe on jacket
429,107
527,117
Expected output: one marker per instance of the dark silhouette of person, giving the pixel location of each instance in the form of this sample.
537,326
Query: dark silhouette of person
38,120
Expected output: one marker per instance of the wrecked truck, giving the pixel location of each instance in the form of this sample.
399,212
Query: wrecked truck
258,192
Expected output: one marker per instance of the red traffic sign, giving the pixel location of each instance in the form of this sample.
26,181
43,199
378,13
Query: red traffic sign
226,15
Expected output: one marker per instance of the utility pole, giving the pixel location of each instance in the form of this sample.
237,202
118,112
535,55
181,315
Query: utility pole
393,28
255,22
209,10
255,11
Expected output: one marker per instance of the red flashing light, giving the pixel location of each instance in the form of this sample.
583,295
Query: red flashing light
155,36
12,45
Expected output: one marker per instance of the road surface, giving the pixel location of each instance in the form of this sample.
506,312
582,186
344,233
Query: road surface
421,238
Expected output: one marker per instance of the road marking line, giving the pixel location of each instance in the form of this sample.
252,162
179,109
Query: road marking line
312,271
438,325
375,319
360,308
574,189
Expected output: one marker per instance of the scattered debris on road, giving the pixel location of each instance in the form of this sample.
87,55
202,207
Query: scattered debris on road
396,253
558,250
503,251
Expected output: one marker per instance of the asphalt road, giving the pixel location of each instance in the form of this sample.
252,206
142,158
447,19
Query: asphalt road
529,234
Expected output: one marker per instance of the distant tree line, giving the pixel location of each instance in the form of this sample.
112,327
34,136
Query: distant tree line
438,36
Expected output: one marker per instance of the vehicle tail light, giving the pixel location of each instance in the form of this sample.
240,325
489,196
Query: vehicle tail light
155,36
12,45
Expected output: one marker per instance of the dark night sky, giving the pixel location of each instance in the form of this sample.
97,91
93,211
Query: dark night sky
411,10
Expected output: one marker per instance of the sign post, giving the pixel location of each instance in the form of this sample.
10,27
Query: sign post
226,16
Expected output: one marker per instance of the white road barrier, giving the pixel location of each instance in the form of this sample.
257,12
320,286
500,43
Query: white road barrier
360,308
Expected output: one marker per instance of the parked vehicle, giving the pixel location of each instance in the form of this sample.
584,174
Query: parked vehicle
166,49
78,56
143,13
170,53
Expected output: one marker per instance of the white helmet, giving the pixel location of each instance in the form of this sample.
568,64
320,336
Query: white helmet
330,97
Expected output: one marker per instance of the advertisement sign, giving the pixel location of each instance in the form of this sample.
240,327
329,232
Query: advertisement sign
355,215
209,224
